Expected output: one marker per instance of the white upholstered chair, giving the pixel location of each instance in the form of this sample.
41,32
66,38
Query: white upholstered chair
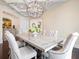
66,51
25,52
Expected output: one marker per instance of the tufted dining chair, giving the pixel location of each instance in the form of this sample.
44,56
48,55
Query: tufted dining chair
66,51
25,52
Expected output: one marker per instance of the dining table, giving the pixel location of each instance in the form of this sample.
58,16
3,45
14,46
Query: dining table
42,42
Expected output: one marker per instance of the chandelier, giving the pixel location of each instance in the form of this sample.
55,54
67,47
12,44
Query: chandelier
34,9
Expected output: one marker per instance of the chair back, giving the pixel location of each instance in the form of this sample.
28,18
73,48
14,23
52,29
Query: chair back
70,42
15,53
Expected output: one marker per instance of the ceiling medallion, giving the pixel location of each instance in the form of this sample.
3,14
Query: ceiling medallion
34,9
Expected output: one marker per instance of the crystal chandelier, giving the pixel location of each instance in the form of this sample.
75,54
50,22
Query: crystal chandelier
34,9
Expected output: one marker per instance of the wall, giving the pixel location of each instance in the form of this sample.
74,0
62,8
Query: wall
64,18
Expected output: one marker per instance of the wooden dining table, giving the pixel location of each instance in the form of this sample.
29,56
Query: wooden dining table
42,42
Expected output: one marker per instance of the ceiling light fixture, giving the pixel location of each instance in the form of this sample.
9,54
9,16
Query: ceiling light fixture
34,9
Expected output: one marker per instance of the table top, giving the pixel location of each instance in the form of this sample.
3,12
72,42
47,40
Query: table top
42,42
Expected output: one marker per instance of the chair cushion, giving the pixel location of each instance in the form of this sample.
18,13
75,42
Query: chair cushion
27,52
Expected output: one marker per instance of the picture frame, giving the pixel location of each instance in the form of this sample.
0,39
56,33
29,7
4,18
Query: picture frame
36,23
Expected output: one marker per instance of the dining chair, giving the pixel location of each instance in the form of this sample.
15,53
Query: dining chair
25,52
66,51
20,43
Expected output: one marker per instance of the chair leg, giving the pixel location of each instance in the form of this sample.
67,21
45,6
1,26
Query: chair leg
35,57
9,56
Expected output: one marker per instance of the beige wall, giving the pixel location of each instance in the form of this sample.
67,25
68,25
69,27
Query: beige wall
64,18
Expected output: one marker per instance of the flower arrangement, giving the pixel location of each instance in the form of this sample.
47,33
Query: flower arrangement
35,29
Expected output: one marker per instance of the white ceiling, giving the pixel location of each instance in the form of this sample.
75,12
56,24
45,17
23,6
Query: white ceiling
20,6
